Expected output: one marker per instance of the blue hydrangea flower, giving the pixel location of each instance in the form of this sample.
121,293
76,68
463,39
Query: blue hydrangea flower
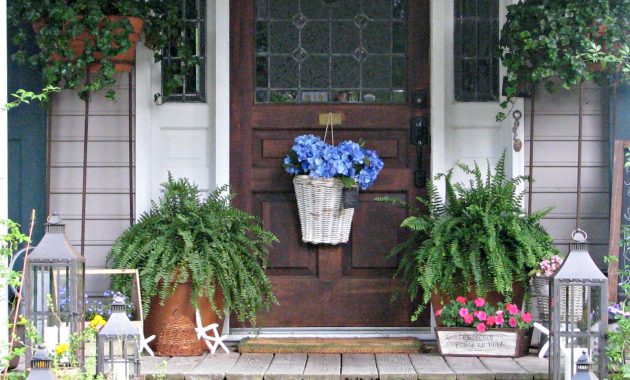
311,156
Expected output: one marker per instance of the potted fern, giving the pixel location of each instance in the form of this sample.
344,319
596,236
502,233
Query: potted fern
477,241
196,251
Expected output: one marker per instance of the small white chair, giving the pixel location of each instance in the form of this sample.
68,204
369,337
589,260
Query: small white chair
144,344
212,341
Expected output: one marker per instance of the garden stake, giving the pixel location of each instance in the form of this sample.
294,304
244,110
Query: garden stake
578,213
131,213
18,299
530,181
85,157
48,155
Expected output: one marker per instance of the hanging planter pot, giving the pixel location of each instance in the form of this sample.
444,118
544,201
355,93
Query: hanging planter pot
123,62
327,182
323,218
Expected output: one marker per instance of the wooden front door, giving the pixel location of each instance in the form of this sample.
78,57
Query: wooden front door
292,60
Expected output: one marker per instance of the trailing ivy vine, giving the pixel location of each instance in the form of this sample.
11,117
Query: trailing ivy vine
561,43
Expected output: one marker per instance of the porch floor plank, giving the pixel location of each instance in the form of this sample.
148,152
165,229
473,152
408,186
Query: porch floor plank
213,367
468,368
286,367
153,366
358,367
322,367
431,367
537,366
249,367
179,366
506,369
395,367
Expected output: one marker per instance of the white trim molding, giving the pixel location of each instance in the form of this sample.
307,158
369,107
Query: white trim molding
4,170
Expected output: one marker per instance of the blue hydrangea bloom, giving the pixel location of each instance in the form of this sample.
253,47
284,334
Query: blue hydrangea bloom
309,155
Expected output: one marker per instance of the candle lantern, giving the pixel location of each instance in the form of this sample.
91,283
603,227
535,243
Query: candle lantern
583,368
41,365
54,285
578,305
118,344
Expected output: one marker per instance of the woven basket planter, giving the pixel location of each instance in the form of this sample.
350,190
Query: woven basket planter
541,291
322,217
178,337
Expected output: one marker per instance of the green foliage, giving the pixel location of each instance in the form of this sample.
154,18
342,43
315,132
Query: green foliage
206,240
62,21
544,41
24,96
477,237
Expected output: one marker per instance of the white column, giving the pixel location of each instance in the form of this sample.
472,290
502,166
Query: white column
4,202
222,93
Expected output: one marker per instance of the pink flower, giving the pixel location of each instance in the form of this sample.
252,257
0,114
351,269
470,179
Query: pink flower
512,309
499,312
438,313
499,319
479,302
468,319
481,327
463,312
526,317
512,322
481,315
461,300
490,321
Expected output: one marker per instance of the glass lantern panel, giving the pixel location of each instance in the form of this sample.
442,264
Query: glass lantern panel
120,358
51,303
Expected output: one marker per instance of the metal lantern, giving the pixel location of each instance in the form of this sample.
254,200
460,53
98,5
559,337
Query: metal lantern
54,285
118,344
583,368
41,365
578,305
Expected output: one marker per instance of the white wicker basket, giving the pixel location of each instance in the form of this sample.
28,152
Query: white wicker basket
322,218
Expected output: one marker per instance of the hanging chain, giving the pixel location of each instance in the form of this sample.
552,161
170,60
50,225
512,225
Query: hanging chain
517,144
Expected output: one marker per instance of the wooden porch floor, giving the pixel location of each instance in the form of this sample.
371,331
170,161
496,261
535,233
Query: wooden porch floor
234,366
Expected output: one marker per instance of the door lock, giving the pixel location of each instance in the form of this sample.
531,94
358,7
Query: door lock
419,136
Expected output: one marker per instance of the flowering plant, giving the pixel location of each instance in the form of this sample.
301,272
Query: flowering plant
96,307
479,314
348,161
547,267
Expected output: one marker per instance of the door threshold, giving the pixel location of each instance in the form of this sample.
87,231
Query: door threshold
422,333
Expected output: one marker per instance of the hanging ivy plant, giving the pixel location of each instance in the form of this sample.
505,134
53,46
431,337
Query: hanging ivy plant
561,43
79,36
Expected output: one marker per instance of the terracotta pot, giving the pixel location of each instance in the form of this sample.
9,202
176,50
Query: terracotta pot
180,300
123,62
438,300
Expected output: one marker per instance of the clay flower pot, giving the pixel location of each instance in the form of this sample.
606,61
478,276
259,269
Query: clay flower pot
123,62
180,301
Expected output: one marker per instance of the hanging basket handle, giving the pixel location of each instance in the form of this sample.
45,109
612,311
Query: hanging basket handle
329,123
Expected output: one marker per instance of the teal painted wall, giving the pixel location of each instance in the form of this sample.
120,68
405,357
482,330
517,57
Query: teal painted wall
27,151
621,127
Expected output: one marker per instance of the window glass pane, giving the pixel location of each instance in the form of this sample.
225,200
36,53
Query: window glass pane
188,84
476,59
314,51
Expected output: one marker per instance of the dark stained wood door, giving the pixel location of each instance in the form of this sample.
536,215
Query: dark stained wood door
323,285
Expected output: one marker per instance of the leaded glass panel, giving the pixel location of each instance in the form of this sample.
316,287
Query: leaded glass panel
192,86
321,51
476,58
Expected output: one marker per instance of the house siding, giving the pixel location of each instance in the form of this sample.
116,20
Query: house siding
107,210
555,164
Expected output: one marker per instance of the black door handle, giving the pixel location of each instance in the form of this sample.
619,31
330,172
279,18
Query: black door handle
419,136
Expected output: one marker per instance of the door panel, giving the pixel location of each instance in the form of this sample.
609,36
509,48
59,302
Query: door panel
323,285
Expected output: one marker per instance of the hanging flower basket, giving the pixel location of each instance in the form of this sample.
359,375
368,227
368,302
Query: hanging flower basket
327,180
323,219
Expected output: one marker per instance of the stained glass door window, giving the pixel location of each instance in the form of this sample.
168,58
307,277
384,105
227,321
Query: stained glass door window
324,51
